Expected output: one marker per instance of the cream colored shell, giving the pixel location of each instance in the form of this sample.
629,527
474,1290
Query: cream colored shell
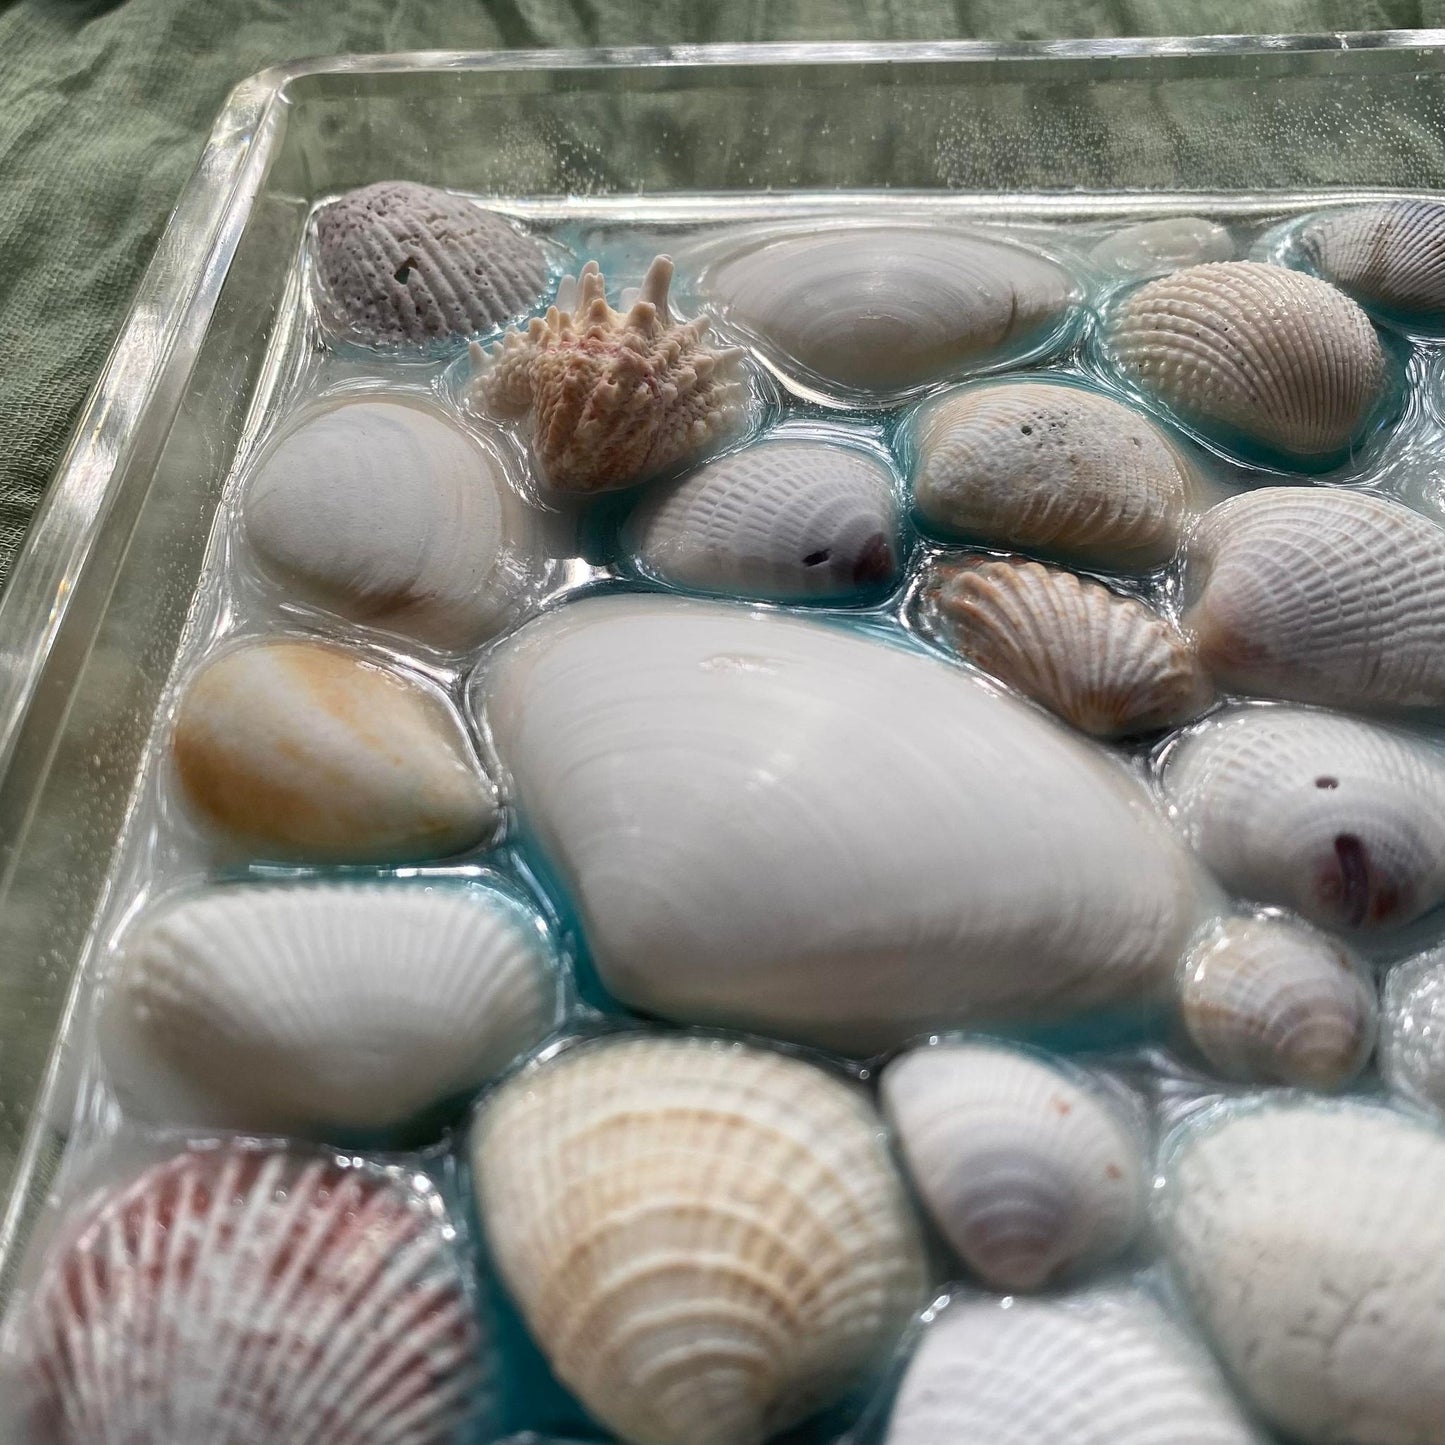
1151,248
1110,665
1028,1174
707,1240
1412,1030
1310,1242
1282,359
1052,468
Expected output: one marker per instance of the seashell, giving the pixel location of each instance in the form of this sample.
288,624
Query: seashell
243,1295
1412,1030
285,1008
1089,1370
1051,468
611,397
299,749
789,520
886,308
1280,359
1390,255
708,1241
1026,1174
383,511
1310,1241
774,823
1321,596
1340,820
1268,1001
1152,248
400,263
1109,665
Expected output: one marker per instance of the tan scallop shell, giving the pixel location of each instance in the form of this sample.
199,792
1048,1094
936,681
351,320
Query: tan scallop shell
1283,359
1051,468
1110,665
1391,254
1270,1001
1321,595
707,1240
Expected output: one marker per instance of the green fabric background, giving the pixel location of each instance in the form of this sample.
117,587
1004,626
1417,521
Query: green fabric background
104,108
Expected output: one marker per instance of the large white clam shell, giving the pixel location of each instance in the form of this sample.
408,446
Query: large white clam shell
1412,1029
1341,820
1051,468
1390,254
1027,1173
385,512
283,1008
1091,1370
250,1296
1110,665
787,826
1151,248
300,749
792,520
1281,359
1310,1240
1269,1001
708,1241
886,308
1321,595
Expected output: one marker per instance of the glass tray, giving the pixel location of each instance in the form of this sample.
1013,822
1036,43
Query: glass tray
90,623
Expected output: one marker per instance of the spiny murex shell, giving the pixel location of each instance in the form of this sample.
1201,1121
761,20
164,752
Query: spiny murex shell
286,1007
1283,359
250,1296
889,307
1052,468
1412,1029
400,262
784,519
1110,665
385,512
1311,1242
611,397
301,749
783,825
1391,254
1153,247
1340,820
1090,1370
1269,1001
1026,1173
708,1241
1321,595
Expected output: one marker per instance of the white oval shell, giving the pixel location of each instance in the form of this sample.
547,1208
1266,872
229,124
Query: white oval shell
886,308
1027,1174
1283,359
1268,1001
707,1240
251,1296
1151,248
1051,468
404,263
1390,254
1311,1242
774,823
789,520
1110,665
286,1007
1412,1030
1091,1370
1321,595
385,512
306,750
1340,820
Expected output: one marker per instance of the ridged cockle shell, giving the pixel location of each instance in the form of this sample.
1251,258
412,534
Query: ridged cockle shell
709,1241
1389,254
609,397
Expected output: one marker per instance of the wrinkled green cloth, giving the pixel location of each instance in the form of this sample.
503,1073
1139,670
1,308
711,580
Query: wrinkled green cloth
104,109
